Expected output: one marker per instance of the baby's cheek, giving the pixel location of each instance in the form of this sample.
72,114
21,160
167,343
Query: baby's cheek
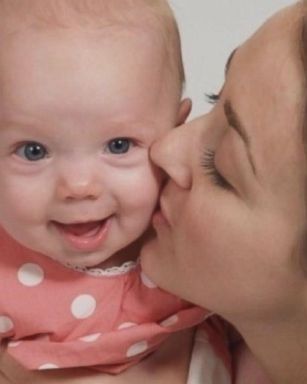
13,205
24,194
141,191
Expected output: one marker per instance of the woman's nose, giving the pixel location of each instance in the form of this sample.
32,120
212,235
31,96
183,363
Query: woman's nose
78,183
171,153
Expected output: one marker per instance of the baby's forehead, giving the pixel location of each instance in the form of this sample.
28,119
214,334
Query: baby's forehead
146,17
70,13
79,17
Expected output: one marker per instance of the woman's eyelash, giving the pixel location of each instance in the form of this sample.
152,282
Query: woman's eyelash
208,162
212,98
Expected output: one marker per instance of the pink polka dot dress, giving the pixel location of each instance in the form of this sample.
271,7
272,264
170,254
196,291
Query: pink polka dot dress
52,316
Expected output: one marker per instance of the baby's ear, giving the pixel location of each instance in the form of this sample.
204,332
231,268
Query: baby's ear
184,111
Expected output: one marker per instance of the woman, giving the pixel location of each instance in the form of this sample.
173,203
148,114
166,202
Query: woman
231,231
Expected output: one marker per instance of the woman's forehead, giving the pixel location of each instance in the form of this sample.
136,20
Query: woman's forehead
265,84
265,75
272,55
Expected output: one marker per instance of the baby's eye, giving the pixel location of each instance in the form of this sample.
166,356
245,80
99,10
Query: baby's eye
119,145
31,151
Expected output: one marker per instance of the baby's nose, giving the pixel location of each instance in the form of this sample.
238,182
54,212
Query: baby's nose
78,183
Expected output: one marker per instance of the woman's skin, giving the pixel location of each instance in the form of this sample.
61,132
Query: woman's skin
232,226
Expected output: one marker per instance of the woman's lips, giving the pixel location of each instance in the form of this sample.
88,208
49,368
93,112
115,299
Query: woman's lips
159,217
84,237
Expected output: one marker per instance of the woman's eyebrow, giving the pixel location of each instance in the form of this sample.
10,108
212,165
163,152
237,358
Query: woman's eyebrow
227,66
235,122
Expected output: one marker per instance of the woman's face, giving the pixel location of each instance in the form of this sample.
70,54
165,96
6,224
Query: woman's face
232,212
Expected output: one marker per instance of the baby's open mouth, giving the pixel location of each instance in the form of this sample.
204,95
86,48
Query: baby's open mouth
82,229
88,236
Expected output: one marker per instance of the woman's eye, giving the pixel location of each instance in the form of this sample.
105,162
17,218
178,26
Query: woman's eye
119,146
208,162
32,151
212,98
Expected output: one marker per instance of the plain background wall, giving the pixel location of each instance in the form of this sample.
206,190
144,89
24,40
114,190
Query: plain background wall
210,30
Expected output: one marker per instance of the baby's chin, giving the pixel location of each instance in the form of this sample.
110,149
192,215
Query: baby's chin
93,261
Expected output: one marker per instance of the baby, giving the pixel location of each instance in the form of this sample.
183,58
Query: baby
85,89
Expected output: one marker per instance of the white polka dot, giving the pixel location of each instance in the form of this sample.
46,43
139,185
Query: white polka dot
30,274
147,282
172,320
83,306
13,344
48,366
90,338
137,349
126,325
6,324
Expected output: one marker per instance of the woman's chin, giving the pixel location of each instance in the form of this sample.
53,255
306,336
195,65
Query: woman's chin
149,256
148,250
155,262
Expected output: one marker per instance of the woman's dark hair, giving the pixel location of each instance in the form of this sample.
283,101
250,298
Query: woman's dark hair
303,54
303,57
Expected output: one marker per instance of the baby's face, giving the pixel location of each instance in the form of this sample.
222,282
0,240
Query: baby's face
78,113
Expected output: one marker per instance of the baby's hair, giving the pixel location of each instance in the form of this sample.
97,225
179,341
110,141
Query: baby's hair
155,14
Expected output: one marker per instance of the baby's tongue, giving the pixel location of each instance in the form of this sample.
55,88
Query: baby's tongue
82,228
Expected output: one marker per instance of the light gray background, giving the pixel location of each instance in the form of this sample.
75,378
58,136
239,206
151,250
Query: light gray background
210,30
